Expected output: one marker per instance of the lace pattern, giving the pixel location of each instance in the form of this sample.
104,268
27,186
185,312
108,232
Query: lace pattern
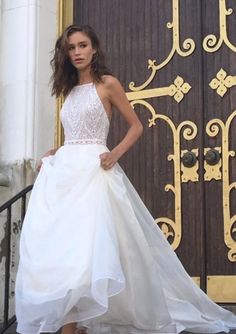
83,117
84,141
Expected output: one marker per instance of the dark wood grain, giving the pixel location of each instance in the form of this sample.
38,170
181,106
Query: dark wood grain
131,32
221,108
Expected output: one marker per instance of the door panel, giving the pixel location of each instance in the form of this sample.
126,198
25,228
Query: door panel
219,62
174,101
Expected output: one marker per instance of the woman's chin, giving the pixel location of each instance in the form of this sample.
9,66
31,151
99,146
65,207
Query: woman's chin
82,67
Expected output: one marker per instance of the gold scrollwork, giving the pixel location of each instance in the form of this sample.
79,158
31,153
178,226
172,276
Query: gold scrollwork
188,48
212,129
210,43
222,82
189,130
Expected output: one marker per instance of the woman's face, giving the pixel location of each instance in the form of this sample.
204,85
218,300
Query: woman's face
80,50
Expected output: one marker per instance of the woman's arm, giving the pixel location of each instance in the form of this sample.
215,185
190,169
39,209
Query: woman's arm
118,99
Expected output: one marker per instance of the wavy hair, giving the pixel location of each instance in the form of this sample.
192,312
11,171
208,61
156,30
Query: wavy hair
65,75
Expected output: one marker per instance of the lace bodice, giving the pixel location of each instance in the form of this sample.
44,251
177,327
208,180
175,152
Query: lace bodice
83,116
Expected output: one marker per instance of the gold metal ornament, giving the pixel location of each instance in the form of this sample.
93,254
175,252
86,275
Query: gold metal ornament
196,280
169,227
178,89
222,82
190,173
188,48
65,14
222,288
212,171
212,129
210,43
189,131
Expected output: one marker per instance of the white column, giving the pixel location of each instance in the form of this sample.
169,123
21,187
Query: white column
28,33
18,79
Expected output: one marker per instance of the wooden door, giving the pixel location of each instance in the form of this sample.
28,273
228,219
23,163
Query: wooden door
161,52
219,108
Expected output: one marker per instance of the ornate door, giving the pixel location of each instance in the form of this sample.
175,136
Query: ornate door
177,62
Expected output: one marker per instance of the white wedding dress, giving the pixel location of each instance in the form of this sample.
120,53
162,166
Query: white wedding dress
91,253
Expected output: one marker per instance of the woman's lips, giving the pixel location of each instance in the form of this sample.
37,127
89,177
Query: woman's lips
78,60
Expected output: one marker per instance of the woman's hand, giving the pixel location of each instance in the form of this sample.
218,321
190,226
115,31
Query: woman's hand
49,152
108,160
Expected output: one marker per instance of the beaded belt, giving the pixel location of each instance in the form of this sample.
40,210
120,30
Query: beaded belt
84,141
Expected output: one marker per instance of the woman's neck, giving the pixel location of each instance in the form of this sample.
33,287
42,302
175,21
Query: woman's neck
84,77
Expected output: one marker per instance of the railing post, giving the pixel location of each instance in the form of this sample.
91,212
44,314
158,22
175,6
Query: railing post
7,265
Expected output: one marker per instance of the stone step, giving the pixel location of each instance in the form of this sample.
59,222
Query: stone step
12,330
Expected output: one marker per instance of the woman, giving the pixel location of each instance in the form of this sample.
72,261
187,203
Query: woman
91,255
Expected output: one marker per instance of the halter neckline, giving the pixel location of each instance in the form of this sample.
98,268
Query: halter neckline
88,83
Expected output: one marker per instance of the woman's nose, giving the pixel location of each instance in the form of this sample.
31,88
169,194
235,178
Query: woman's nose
77,50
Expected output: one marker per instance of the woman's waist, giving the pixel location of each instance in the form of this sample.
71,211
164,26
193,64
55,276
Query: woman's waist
78,148
85,141
77,157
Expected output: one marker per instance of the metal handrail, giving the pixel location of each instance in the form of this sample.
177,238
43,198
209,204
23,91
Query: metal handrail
15,198
8,206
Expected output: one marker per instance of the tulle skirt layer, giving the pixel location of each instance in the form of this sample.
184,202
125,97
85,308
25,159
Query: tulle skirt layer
91,253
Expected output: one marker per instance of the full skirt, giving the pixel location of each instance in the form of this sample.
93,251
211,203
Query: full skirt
91,253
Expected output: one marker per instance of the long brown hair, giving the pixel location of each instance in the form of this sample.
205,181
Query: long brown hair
65,75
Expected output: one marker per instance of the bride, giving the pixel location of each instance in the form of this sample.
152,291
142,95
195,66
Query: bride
92,259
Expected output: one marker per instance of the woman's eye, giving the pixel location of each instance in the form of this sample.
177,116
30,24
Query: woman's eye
83,45
71,47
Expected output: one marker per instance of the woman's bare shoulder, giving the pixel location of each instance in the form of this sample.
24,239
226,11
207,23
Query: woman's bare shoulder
110,81
112,87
